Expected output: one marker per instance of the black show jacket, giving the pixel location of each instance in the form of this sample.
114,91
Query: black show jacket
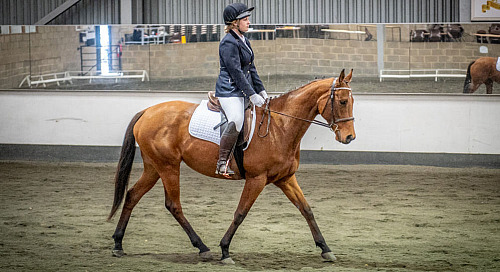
238,76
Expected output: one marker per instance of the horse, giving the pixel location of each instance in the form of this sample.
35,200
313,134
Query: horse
482,70
161,132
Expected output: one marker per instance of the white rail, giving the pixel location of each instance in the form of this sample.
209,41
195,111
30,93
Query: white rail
421,73
68,76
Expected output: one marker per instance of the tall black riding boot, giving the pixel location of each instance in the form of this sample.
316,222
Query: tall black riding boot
227,142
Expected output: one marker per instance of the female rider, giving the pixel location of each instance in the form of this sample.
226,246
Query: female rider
238,79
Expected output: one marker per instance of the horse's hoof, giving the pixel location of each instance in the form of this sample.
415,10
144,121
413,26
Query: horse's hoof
227,261
118,253
207,255
329,257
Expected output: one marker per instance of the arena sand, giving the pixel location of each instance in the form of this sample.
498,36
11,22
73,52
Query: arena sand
374,217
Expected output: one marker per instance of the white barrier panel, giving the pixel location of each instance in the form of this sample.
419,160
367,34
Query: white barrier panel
434,123
428,123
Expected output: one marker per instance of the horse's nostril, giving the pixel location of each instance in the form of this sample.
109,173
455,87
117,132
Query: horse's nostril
348,139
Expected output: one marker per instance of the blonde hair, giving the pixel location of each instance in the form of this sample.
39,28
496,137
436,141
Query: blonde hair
232,25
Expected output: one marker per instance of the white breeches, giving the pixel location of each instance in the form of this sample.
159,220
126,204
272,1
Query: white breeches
234,107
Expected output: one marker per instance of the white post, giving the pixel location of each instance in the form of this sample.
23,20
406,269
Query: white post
380,46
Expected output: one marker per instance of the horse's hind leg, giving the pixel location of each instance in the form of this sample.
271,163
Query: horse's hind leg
170,178
292,190
142,186
489,86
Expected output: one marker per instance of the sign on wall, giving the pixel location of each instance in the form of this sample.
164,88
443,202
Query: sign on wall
485,10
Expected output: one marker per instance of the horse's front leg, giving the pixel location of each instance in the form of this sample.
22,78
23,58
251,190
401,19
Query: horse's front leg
253,188
473,87
292,190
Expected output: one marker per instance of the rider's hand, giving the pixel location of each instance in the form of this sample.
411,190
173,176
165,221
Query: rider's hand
257,100
264,95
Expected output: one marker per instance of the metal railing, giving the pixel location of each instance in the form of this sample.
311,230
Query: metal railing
94,55
421,73
69,76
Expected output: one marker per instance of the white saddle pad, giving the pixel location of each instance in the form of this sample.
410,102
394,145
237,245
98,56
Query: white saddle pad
498,64
204,120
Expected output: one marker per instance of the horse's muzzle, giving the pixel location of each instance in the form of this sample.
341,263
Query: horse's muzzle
349,139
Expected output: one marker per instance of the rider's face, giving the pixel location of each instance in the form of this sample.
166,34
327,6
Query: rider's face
244,24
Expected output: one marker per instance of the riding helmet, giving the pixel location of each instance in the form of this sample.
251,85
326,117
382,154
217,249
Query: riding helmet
236,11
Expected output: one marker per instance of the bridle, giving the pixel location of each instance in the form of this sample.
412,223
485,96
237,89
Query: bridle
330,124
332,99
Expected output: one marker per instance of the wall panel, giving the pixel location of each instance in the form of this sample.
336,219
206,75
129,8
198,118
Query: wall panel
267,12
460,124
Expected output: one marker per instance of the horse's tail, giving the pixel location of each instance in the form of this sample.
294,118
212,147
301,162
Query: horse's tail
468,78
125,164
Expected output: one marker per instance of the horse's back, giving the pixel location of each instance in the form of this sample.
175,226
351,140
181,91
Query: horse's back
167,113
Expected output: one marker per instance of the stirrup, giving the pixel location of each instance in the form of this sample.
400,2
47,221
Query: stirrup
223,169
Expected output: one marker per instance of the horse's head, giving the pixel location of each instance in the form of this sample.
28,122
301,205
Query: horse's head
337,108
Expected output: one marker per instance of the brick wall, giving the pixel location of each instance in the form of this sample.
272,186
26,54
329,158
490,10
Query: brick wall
315,57
324,57
53,49
434,55
14,59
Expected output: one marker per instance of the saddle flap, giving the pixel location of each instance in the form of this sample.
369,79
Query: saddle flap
247,125
245,133
213,102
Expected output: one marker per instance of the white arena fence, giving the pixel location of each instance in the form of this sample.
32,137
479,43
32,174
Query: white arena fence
69,76
422,73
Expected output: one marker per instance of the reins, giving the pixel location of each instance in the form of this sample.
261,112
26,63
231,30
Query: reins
314,122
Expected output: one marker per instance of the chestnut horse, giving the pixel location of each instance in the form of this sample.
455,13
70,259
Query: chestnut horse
482,70
161,132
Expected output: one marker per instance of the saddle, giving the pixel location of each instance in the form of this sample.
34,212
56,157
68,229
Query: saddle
214,105
244,136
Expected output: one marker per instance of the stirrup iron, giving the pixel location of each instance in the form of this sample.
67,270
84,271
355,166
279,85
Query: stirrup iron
224,166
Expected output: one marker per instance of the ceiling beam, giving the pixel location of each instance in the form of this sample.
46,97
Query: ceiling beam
56,12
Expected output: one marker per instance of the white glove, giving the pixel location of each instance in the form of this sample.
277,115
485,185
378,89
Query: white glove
257,100
264,94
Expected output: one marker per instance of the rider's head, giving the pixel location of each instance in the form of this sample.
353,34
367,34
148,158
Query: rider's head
233,13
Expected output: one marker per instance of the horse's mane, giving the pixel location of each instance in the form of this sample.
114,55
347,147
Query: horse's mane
286,94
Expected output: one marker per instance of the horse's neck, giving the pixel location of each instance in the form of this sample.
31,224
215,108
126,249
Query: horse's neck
301,103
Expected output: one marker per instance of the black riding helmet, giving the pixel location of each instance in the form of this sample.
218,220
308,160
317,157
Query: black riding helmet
236,11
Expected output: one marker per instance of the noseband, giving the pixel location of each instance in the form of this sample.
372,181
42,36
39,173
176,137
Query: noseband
329,125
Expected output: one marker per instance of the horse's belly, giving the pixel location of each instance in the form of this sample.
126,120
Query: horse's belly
202,156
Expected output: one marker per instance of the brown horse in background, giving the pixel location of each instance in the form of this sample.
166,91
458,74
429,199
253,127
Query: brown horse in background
161,132
482,70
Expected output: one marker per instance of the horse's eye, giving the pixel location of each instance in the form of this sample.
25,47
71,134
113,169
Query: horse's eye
343,102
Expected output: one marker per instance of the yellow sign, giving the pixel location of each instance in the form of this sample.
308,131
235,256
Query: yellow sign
490,4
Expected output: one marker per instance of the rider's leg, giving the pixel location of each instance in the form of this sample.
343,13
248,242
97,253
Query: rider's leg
234,109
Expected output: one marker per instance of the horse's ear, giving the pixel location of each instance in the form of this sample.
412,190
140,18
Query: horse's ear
342,76
348,77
